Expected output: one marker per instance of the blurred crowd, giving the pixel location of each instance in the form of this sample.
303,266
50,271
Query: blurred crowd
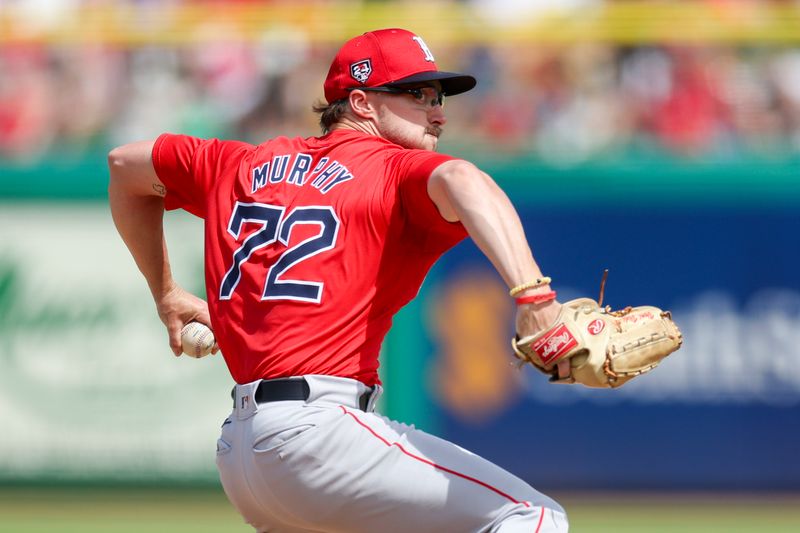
564,104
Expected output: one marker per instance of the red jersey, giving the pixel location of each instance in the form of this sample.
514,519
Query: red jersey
311,245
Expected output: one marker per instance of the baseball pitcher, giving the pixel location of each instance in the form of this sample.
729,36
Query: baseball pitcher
311,246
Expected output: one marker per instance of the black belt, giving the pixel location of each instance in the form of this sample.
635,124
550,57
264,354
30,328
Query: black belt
279,390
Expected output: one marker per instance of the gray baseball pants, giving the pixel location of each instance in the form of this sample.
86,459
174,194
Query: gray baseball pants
326,465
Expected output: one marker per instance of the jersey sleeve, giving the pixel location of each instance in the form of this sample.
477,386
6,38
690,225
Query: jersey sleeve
188,168
411,169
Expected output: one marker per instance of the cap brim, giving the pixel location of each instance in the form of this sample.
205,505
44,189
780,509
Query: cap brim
452,82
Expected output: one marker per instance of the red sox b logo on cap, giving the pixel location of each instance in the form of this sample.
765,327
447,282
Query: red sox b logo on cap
361,70
425,49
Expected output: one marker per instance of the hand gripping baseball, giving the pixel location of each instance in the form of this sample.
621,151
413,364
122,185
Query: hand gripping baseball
605,348
179,308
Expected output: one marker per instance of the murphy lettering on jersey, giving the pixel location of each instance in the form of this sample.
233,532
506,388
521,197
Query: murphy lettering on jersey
325,176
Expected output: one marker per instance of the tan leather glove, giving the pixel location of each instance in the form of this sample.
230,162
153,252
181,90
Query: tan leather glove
605,348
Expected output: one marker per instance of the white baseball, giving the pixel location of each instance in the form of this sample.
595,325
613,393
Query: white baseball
197,340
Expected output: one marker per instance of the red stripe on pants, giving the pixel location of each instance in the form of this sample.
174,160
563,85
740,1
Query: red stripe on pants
439,467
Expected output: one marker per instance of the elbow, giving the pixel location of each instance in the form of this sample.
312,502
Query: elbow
458,174
116,159
463,177
456,185
459,169
123,163
116,162
120,169
130,168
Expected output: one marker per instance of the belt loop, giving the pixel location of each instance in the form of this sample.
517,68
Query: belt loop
244,403
377,390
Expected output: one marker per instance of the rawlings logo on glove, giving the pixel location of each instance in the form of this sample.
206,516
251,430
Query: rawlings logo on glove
605,348
555,343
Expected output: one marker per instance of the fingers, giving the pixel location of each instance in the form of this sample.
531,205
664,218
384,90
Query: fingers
174,331
563,369
197,311
176,309
203,317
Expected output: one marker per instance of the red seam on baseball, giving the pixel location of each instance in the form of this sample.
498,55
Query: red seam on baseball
541,519
423,460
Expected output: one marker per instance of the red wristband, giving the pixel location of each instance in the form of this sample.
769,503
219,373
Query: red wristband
537,298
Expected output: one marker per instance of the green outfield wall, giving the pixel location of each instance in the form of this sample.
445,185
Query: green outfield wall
91,392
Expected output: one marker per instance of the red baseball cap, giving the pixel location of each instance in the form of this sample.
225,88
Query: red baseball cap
386,58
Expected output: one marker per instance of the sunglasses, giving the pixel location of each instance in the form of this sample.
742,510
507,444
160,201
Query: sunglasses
418,93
